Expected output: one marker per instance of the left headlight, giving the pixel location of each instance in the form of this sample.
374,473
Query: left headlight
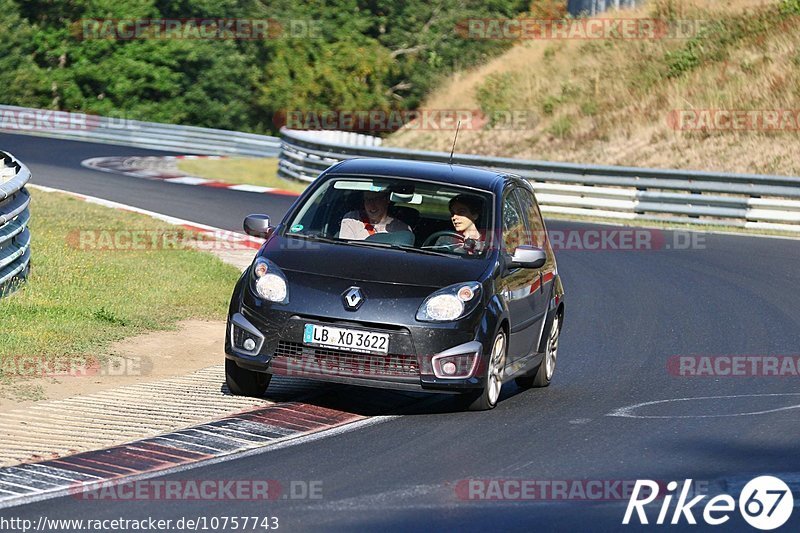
268,281
450,303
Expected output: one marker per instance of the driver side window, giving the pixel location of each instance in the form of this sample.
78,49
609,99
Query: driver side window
513,223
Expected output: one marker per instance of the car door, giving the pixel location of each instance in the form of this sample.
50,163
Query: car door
542,287
516,285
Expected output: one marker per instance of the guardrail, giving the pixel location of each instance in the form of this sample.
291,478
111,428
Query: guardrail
127,132
15,238
593,7
751,201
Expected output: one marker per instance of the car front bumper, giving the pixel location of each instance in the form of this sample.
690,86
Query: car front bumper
279,349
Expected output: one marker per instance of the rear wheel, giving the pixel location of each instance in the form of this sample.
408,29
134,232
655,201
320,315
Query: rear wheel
487,398
243,382
548,366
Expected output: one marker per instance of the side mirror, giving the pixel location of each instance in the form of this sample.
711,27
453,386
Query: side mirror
527,256
258,226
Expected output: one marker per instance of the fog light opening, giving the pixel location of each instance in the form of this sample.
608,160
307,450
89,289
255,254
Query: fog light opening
244,337
457,366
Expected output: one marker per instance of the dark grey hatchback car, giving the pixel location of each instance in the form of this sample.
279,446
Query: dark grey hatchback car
404,275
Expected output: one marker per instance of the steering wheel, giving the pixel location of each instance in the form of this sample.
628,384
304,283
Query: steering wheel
432,238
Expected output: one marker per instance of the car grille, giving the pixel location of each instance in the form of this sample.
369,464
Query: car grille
298,359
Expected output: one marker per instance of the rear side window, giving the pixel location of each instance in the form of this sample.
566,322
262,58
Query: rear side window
513,223
534,217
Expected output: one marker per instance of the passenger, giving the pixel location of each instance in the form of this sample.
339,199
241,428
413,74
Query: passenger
465,211
373,218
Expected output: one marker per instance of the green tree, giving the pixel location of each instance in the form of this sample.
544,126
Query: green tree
359,55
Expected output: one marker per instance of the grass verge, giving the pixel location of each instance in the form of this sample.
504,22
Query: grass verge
77,301
245,170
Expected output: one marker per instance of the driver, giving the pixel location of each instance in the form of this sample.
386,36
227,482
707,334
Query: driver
465,210
373,218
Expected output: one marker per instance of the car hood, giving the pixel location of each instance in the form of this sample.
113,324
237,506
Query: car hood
374,264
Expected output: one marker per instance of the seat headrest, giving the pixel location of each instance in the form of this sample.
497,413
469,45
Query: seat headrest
409,215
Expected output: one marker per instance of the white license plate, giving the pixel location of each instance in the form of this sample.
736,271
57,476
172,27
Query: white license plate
351,340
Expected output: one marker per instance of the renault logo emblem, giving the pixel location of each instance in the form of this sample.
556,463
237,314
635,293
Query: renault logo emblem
352,298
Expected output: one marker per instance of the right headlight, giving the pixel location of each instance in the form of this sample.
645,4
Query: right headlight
268,281
450,303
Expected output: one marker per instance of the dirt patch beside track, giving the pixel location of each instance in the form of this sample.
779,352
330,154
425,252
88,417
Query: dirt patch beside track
152,356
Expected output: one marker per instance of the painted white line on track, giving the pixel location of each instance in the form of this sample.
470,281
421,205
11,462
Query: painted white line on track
188,180
250,188
160,216
628,412
164,168
238,249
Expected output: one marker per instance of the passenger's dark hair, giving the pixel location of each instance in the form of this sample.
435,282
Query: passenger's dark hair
472,202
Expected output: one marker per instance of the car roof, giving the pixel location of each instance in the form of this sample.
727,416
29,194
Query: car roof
401,168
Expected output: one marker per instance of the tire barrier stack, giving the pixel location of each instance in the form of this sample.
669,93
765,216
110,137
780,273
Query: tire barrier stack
15,238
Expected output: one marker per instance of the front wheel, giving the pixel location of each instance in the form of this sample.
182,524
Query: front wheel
243,382
487,398
548,366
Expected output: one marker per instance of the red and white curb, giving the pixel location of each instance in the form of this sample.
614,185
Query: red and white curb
235,435
302,411
164,168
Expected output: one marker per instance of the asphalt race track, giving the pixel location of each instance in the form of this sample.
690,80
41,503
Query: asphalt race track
628,312
57,163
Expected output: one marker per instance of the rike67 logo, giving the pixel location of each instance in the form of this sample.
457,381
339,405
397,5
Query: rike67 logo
765,503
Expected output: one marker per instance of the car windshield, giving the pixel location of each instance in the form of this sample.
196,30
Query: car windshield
414,216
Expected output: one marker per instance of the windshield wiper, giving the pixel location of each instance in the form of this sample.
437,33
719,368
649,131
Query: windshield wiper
408,248
370,244
332,240
318,238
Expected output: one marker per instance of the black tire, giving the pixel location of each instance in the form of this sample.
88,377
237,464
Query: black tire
243,382
487,397
544,374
